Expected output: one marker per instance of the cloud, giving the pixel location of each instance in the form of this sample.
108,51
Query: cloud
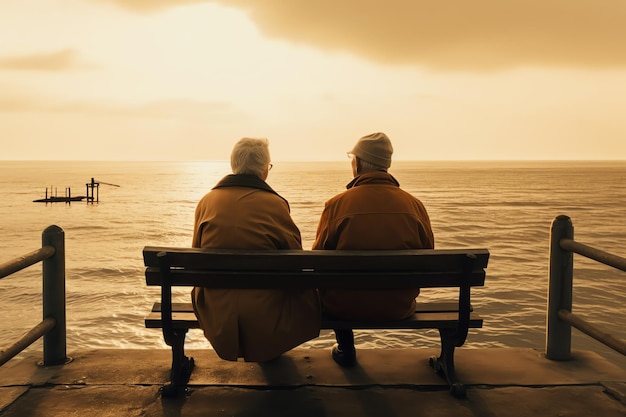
20,102
168,129
478,35
51,61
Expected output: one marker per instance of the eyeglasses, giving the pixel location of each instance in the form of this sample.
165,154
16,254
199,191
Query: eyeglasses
269,167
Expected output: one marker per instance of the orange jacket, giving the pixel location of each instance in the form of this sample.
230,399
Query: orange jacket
373,213
243,212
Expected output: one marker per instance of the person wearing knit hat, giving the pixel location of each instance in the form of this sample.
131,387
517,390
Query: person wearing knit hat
375,149
373,213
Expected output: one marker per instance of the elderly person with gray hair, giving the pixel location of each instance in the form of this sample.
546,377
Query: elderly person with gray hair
243,212
373,213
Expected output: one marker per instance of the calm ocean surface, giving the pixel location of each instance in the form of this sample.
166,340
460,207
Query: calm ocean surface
506,207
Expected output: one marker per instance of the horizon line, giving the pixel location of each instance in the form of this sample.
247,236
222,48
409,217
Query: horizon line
315,161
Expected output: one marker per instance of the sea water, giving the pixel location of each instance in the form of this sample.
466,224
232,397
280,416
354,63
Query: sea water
506,207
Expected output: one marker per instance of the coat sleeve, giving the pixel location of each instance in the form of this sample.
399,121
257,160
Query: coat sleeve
290,233
195,240
323,230
426,231
291,236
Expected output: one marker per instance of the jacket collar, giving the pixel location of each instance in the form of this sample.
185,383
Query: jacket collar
373,178
246,180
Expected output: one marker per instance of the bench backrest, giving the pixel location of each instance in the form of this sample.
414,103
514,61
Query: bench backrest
372,269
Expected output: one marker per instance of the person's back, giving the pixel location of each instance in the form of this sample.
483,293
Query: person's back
239,214
243,212
374,213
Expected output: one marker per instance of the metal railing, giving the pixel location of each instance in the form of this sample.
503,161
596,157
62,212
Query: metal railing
52,327
560,316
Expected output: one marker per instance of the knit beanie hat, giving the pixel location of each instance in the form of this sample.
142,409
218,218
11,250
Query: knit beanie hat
375,148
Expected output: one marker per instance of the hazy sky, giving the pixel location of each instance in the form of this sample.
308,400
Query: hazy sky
185,79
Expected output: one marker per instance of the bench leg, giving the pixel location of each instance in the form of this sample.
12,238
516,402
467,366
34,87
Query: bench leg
444,364
182,366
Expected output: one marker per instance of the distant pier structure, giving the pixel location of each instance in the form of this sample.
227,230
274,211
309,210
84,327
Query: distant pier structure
54,198
93,194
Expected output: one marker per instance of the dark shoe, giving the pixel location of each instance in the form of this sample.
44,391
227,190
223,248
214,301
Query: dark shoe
347,359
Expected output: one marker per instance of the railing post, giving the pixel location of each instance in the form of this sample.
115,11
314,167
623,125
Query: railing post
559,332
54,345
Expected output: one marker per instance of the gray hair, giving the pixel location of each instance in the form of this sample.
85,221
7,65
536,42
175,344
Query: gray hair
250,156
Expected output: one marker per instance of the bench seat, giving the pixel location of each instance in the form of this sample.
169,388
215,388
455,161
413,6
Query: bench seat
432,315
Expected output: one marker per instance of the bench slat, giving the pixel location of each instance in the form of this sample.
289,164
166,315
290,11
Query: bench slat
426,307
184,320
187,320
427,315
443,320
335,280
319,260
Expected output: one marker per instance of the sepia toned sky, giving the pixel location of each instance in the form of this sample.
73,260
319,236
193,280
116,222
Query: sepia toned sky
185,79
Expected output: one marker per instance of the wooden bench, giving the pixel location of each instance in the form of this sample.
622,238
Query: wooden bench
169,267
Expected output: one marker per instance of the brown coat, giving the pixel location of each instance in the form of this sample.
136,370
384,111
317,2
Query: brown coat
374,213
243,212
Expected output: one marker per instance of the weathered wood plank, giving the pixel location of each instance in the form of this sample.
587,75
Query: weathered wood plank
427,307
423,320
429,315
326,280
318,260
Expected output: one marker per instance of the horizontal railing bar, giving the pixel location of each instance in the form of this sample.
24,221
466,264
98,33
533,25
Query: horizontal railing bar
25,261
593,253
593,331
27,339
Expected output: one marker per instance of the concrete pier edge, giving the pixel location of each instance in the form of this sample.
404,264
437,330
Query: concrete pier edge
500,381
